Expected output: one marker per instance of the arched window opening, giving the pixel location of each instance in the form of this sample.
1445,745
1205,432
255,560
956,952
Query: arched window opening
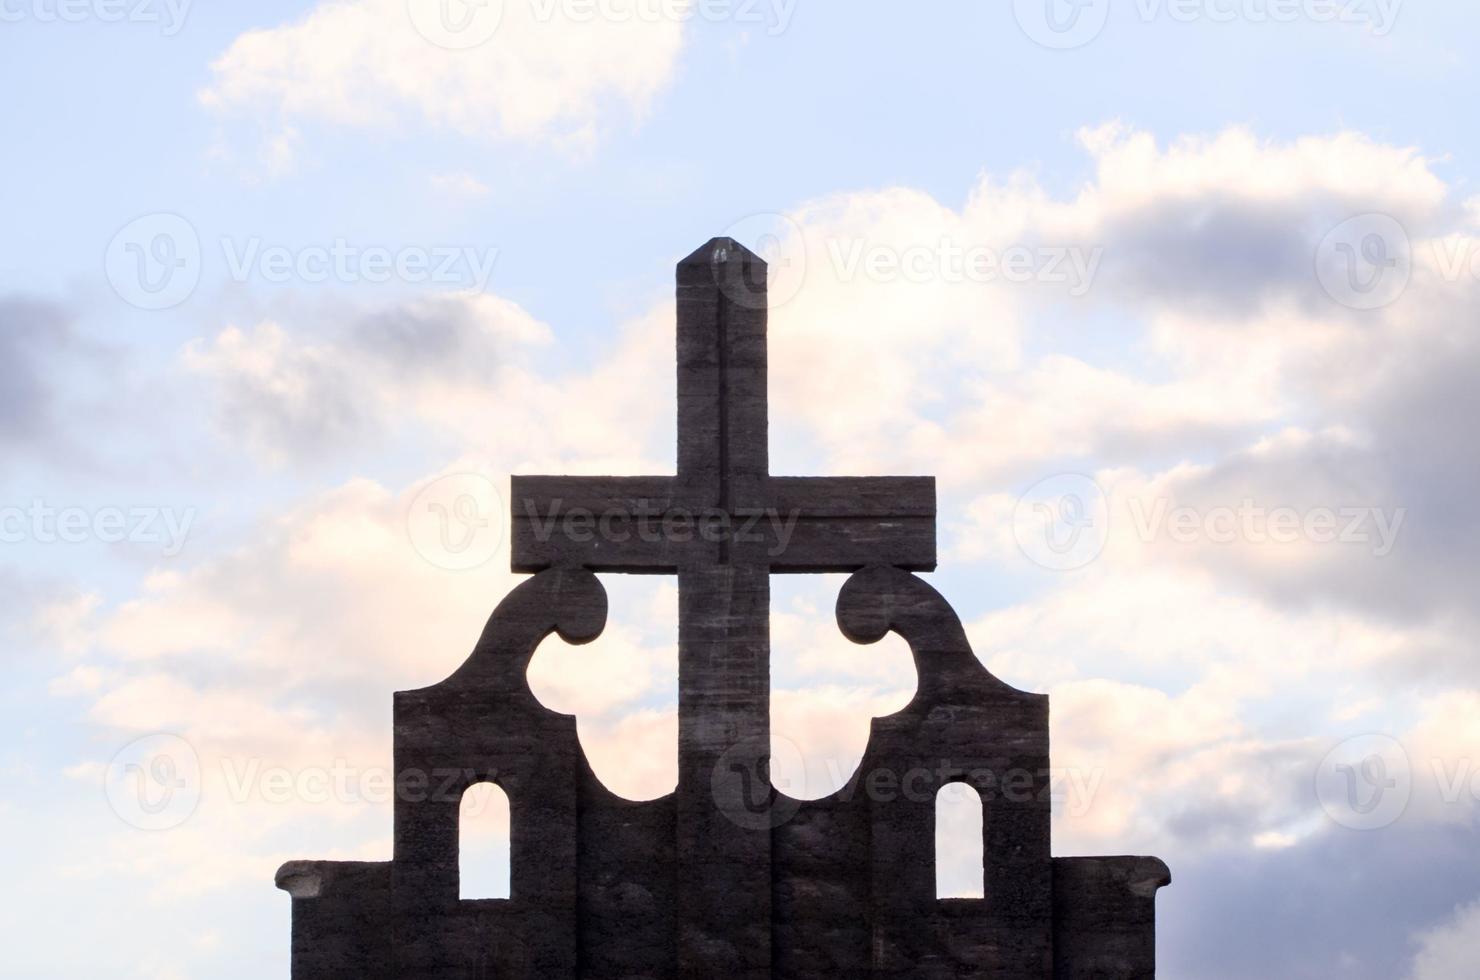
960,868
483,843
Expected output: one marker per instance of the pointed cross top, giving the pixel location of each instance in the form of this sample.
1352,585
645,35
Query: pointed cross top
719,251
723,507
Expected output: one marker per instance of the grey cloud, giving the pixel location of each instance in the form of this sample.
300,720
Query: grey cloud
1411,398
1342,904
327,410
32,335
1207,823
324,391
1226,255
443,337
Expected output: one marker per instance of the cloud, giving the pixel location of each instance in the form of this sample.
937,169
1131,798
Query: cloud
1227,224
543,76
279,655
1197,685
1204,367
1341,904
1449,951
277,661
1159,683
1389,458
1151,604
460,185
453,371
293,399
1169,307
33,337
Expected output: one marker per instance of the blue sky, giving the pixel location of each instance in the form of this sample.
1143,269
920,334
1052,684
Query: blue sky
1211,360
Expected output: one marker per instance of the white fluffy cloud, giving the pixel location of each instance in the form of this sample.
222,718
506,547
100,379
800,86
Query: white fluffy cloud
280,658
280,655
1196,685
456,366
542,75
975,379
1189,267
1449,951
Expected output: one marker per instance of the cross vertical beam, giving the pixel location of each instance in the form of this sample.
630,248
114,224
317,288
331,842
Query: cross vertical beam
724,684
647,525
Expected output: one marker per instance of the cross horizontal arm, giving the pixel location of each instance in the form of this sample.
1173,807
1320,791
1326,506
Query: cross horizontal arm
647,525
842,524
605,523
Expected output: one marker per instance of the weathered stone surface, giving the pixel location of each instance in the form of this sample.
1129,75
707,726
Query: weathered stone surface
726,877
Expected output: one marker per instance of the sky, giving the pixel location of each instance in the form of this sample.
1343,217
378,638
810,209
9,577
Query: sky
1175,298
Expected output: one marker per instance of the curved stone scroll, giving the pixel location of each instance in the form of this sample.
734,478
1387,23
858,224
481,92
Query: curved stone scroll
880,600
482,724
568,601
1042,917
963,725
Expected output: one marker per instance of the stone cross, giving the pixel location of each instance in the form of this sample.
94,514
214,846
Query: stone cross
727,877
723,525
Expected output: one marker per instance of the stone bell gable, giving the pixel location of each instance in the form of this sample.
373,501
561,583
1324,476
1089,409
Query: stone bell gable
727,876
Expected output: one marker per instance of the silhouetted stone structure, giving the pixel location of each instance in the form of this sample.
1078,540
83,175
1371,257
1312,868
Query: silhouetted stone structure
726,878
